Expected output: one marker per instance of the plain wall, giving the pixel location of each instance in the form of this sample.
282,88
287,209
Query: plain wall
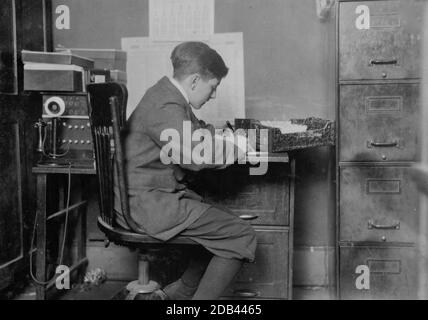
289,73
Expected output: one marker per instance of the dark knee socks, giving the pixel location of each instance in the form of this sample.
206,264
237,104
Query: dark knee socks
179,290
185,287
218,275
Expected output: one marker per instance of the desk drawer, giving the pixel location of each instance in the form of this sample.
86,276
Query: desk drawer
268,276
379,122
380,39
264,199
391,272
377,204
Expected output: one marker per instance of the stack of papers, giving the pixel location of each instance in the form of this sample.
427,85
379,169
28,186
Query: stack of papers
285,126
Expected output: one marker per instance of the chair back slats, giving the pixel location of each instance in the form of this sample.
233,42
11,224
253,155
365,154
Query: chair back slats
99,165
101,125
120,166
105,173
107,114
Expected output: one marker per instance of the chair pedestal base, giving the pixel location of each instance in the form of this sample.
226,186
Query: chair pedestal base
143,285
135,288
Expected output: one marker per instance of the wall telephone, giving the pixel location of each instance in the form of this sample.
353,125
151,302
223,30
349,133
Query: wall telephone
64,132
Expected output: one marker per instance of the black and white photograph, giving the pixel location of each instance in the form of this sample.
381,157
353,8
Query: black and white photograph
240,152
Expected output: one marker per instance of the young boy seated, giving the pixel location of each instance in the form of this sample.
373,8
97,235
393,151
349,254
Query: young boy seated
160,201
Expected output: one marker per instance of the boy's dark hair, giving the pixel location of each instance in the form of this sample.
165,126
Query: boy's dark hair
197,57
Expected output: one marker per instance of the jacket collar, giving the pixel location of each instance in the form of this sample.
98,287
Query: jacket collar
180,88
166,83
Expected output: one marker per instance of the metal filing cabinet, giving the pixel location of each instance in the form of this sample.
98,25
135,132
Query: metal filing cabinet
266,201
379,51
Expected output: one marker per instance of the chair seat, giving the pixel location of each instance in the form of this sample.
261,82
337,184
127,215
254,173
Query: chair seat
121,235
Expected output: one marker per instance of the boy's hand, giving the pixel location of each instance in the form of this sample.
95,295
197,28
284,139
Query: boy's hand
240,132
227,132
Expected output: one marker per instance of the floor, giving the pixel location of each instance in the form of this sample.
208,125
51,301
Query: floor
111,290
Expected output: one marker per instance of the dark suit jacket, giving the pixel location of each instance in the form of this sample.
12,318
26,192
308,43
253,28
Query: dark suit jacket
159,200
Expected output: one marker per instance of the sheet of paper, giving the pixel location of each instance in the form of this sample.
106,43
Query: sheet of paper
181,19
285,126
148,61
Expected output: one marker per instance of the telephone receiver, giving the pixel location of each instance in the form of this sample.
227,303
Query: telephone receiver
41,133
54,108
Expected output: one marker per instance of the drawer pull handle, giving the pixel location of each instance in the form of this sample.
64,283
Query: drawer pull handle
248,217
383,62
394,226
246,294
371,144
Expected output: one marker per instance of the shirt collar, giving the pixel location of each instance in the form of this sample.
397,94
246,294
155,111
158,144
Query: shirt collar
180,88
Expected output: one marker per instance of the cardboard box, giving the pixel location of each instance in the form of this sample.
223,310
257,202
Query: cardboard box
53,80
104,75
118,76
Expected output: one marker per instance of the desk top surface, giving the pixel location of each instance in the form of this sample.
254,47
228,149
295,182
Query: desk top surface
63,170
267,157
251,158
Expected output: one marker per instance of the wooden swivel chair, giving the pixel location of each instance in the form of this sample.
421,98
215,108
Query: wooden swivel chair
107,114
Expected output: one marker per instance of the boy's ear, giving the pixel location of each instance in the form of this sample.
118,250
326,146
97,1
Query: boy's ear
194,78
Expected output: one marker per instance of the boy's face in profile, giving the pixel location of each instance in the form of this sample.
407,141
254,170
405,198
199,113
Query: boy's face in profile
202,91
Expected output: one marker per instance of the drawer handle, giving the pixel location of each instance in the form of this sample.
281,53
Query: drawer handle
245,294
394,226
248,217
383,62
371,144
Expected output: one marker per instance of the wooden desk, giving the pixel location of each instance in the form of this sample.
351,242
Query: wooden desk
267,202
50,207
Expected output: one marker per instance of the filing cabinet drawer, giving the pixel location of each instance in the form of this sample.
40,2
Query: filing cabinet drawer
263,200
267,277
390,272
380,39
377,204
379,122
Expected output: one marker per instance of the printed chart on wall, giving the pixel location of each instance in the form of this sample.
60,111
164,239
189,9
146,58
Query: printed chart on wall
149,60
181,19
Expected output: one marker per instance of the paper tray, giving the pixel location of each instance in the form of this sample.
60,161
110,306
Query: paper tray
320,132
65,58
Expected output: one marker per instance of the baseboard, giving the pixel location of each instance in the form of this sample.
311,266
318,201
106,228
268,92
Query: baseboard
314,266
